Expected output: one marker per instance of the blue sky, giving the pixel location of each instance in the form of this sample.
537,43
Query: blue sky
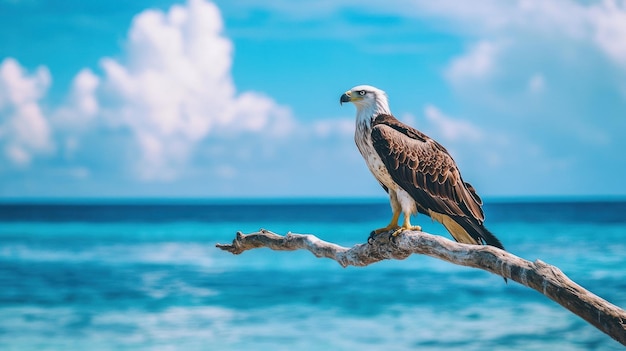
240,98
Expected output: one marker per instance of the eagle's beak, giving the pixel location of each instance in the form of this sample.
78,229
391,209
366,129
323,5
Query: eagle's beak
345,98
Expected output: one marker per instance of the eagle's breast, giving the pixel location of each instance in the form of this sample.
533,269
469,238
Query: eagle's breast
363,140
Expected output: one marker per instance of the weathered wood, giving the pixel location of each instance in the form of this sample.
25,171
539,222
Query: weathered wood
544,278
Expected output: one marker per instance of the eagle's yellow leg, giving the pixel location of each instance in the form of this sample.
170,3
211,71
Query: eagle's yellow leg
392,225
406,225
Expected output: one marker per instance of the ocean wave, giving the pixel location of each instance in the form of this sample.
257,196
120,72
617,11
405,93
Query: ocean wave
167,253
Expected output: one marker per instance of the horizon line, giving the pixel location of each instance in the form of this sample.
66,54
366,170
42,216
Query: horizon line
262,200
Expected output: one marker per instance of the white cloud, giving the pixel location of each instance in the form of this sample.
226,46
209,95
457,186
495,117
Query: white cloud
85,84
152,108
24,131
166,109
600,24
342,127
478,18
82,105
173,89
254,112
609,22
578,48
492,12
478,63
453,130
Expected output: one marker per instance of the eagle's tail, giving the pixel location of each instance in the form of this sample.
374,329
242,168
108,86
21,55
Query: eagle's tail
465,230
488,237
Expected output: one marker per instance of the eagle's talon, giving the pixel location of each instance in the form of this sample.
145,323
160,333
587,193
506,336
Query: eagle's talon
396,232
370,239
376,232
393,236
385,229
409,228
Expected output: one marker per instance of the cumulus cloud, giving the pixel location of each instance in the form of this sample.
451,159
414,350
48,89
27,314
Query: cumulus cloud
601,24
24,131
166,109
175,88
82,104
150,110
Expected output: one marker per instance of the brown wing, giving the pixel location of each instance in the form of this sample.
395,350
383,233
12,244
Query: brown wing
424,169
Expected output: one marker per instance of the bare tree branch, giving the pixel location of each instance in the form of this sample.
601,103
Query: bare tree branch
544,278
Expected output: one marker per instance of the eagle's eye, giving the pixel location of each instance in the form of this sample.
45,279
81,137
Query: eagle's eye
361,92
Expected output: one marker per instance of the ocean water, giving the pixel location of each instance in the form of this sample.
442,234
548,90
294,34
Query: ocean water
147,276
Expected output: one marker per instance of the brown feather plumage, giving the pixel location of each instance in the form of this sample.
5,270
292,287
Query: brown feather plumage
425,169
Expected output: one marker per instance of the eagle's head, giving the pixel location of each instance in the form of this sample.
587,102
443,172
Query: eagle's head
369,101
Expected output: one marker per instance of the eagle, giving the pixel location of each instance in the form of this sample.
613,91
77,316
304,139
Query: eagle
417,172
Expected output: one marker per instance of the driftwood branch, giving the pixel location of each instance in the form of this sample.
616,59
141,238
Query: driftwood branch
544,278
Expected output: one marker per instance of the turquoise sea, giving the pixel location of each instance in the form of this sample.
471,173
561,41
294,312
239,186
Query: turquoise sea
146,275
